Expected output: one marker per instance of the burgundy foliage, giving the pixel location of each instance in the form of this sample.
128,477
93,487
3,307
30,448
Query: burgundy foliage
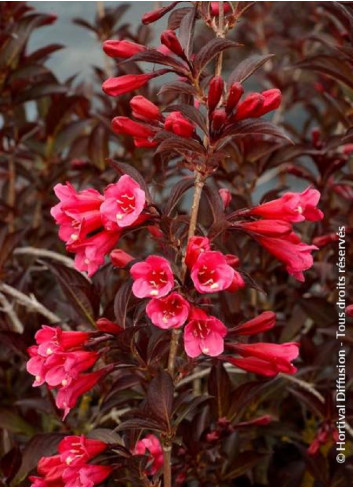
169,247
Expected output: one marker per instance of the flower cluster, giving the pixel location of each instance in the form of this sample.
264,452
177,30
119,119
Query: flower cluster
69,468
91,223
59,360
275,232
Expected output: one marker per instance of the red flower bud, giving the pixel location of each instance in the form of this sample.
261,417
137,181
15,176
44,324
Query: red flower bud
268,227
170,40
249,107
142,108
122,49
120,258
144,143
126,83
124,125
226,196
215,8
321,241
154,15
177,123
235,92
272,100
349,310
215,92
232,260
219,117
258,324
106,326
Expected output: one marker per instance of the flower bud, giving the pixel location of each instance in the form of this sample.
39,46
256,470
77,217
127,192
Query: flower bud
235,92
120,258
124,125
177,123
272,100
170,40
321,241
215,8
215,92
122,49
349,310
258,324
226,196
219,117
156,14
107,326
126,83
249,107
142,108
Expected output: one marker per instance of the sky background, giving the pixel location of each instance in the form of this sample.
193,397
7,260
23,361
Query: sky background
82,49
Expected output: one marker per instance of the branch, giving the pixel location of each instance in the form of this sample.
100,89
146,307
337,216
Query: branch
31,302
40,253
8,309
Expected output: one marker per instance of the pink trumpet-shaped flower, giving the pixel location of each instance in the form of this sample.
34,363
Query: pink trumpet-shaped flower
69,468
267,227
144,109
125,125
211,272
120,258
75,450
168,312
91,252
265,358
204,335
196,245
152,277
292,207
68,395
152,446
123,203
288,249
78,213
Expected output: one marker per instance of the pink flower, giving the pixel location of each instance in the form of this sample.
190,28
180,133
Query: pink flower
196,245
56,355
69,468
294,254
122,49
68,395
204,334
177,123
152,277
292,207
123,203
78,213
211,272
168,312
265,358
77,450
91,252
152,446
87,475
249,107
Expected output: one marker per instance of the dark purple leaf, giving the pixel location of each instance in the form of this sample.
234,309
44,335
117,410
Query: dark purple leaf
247,67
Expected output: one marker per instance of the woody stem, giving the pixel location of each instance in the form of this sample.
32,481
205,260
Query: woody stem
167,466
199,183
